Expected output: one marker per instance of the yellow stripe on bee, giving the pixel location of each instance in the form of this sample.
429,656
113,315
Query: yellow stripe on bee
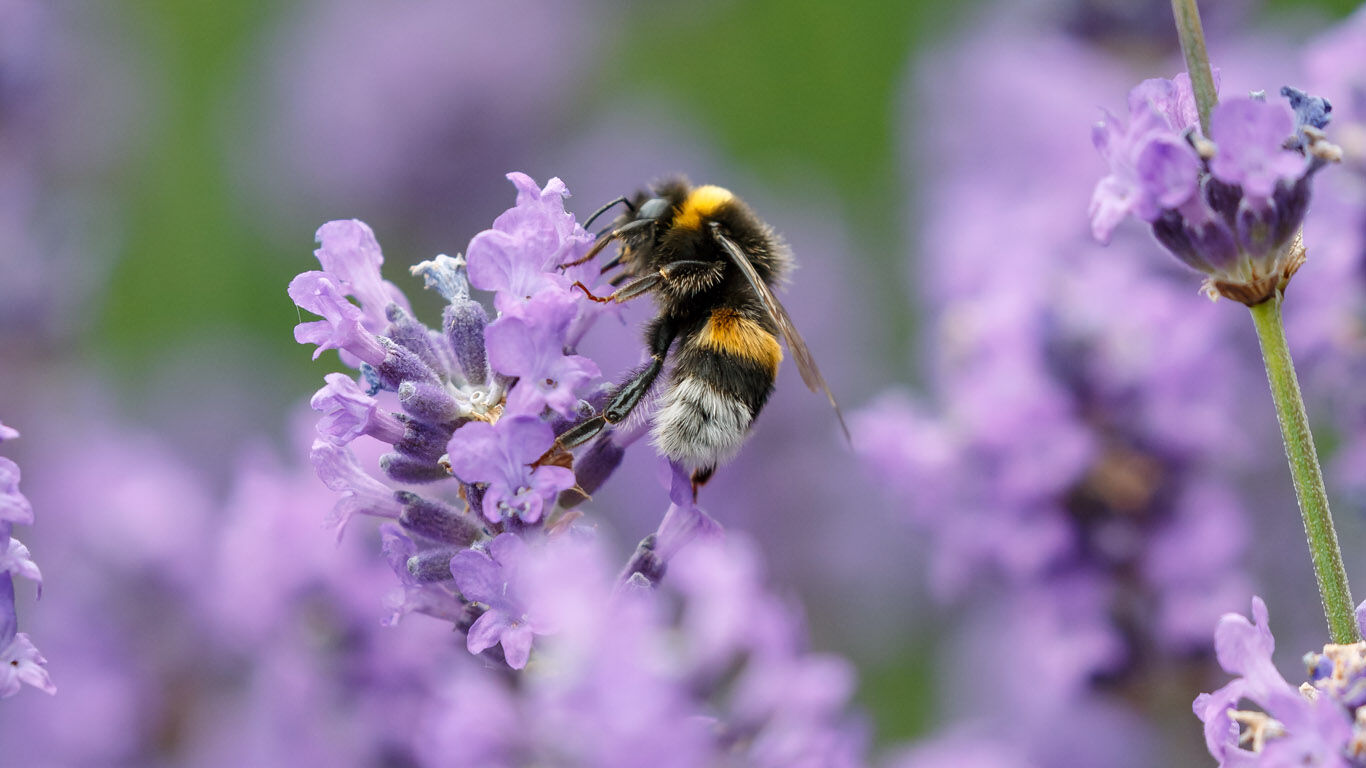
730,332
699,204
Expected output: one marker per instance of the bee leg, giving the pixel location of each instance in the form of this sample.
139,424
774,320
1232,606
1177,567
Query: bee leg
611,264
602,241
581,433
700,478
628,395
627,292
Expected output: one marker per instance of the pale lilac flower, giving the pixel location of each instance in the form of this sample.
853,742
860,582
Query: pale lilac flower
337,468
1251,137
530,346
1315,724
14,506
348,413
1152,167
491,578
501,455
342,326
17,561
20,661
1229,205
351,256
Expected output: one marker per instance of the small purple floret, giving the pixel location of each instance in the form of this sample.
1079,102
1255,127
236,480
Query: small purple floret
491,579
14,507
530,346
342,326
501,455
1251,136
350,254
348,412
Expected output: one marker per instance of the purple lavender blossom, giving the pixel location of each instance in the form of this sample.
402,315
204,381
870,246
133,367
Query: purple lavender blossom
1251,137
1153,168
500,455
621,680
20,662
475,404
491,578
1231,205
530,346
342,326
1315,724
349,413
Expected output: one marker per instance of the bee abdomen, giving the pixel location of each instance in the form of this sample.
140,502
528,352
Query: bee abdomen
722,376
698,424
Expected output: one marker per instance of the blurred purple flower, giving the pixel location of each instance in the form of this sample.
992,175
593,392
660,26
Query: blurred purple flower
621,681
1251,136
1229,207
20,661
491,578
438,105
1314,724
1067,456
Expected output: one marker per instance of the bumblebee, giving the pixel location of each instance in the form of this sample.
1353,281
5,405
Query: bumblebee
711,265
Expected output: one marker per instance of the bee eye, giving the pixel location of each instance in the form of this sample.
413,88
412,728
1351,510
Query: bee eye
653,208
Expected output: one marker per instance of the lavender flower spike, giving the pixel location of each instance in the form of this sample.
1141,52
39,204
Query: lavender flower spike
1229,205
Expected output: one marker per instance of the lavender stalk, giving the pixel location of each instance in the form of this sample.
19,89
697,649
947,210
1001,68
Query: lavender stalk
1334,591
1304,469
1192,34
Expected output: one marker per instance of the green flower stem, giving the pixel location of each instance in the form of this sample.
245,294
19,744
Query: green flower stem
1304,469
1192,36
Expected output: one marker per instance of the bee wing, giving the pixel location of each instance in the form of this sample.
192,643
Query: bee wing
806,364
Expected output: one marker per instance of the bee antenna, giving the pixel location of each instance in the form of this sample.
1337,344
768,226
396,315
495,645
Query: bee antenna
607,208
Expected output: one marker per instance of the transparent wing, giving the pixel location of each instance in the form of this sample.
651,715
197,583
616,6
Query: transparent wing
806,364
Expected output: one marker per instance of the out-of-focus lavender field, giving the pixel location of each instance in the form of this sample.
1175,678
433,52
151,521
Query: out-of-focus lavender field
1064,469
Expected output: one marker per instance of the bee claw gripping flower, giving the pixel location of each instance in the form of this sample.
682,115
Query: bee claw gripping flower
1229,205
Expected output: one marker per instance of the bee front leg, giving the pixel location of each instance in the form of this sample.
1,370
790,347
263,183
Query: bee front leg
629,394
627,292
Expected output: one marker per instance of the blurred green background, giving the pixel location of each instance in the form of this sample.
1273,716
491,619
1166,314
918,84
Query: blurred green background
787,91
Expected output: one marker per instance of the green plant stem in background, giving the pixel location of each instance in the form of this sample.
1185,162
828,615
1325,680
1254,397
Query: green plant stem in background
1304,469
1197,58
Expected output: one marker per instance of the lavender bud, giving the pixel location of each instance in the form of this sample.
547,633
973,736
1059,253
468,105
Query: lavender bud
592,469
424,441
407,332
464,321
437,521
432,566
400,365
406,469
645,562
428,402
